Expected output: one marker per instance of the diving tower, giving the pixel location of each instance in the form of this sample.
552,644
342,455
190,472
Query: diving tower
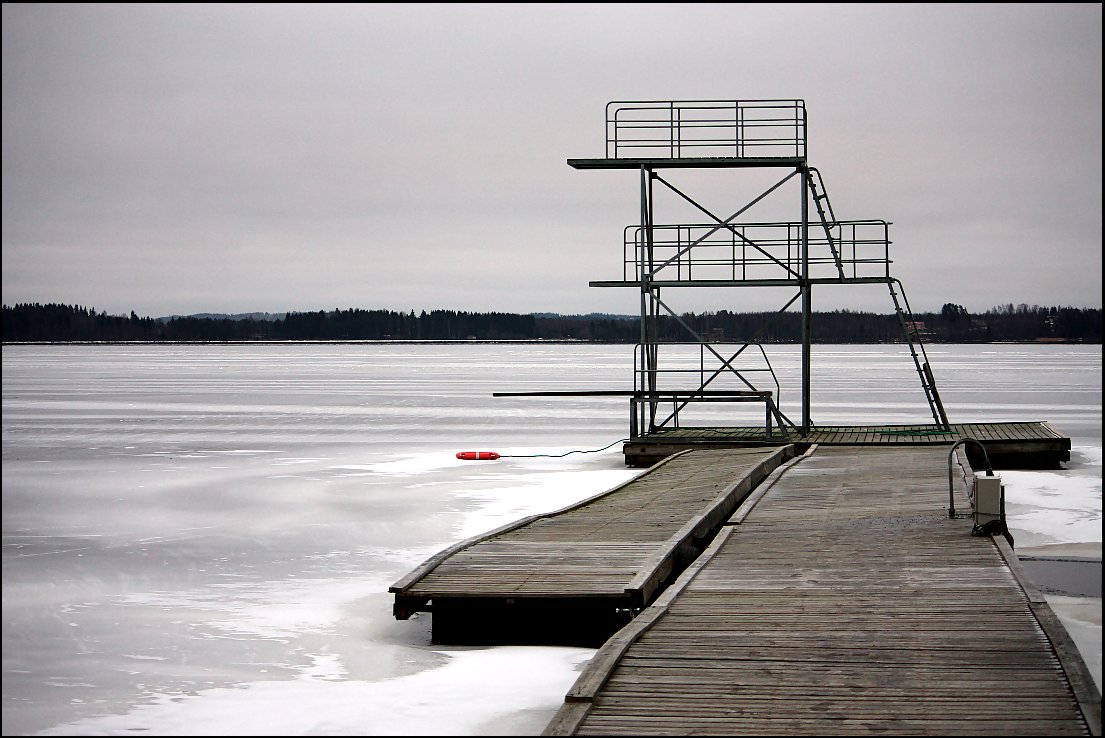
809,247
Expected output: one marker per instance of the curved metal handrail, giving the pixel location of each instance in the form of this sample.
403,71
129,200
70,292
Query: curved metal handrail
951,454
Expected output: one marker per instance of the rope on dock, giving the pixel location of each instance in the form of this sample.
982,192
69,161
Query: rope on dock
566,453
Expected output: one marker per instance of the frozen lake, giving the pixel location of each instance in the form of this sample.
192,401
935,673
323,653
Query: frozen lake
199,539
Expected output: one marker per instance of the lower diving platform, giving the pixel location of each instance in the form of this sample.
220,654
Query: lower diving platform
1011,445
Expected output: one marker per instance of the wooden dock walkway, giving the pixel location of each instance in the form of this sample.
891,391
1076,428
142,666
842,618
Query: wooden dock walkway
841,599
579,574
1010,445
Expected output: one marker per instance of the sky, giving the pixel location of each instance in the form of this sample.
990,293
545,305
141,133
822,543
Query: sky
178,159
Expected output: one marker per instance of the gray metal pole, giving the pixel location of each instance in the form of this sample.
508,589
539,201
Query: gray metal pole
807,303
643,277
653,308
641,269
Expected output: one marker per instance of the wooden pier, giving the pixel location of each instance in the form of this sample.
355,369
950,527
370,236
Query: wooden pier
759,591
841,599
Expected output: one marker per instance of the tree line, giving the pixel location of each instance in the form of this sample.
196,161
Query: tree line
34,322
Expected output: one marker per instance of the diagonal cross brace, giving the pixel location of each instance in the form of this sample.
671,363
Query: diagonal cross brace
725,224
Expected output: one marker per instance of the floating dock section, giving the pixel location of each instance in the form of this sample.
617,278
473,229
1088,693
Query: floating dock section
577,575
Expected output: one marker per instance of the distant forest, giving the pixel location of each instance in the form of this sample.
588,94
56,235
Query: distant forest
953,324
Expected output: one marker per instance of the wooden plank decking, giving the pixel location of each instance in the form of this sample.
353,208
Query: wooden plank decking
1028,444
842,600
577,575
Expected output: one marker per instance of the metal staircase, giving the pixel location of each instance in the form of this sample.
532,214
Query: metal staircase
820,195
917,351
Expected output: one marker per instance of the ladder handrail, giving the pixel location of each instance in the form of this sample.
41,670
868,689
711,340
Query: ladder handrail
826,223
924,370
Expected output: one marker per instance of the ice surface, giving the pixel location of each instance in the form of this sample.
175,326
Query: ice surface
465,695
199,539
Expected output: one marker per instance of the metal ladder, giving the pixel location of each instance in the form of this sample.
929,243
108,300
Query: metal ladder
820,194
920,360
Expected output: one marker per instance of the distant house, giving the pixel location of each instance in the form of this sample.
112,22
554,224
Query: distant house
918,328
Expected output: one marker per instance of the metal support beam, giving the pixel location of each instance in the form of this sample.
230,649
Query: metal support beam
807,306
725,224
649,296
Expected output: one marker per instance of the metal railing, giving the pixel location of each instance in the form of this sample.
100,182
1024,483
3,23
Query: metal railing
756,251
677,129
700,374
951,486
642,409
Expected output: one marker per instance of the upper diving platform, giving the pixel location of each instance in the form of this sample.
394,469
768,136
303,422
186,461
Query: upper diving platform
702,134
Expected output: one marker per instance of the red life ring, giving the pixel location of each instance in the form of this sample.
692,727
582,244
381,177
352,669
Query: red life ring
477,455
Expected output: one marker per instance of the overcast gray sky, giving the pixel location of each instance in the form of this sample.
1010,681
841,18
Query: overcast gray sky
231,158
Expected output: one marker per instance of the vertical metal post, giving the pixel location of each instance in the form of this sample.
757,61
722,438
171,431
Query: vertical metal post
641,262
654,310
644,267
807,301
